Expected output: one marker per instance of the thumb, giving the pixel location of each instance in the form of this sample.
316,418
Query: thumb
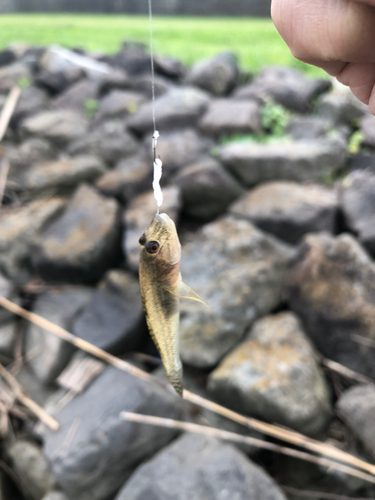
322,31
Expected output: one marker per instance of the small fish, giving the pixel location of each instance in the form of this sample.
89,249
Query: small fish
161,288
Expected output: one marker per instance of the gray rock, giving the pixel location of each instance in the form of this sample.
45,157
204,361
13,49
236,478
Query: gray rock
10,75
3,99
55,495
116,79
60,126
32,100
286,86
7,290
179,108
52,354
207,189
110,140
200,467
133,59
114,319
84,242
8,334
143,83
340,105
33,387
32,468
138,216
177,149
302,127
227,117
357,199
195,381
7,57
240,272
4,487
30,151
320,480
19,229
105,449
289,210
357,406
367,125
361,161
119,104
295,161
60,59
77,95
169,67
274,376
217,75
60,175
58,81
331,287
128,179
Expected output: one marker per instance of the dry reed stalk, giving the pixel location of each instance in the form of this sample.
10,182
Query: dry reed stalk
4,170
5,117
346,372
8,109
239,438
363,340
275,431
26,401
320,495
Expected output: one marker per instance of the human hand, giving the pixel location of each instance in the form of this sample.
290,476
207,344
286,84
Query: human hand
336,35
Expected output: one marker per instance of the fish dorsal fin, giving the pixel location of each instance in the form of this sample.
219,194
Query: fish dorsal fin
183,291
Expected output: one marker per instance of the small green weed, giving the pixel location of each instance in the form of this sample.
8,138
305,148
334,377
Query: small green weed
24,82
274,118
355,142
254,138
91,107
132,108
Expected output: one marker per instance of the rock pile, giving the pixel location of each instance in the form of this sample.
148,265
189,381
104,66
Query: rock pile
272,186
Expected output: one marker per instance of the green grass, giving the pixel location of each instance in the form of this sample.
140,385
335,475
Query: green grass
255,41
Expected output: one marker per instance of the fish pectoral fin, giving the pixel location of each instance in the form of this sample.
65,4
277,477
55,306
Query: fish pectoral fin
184,291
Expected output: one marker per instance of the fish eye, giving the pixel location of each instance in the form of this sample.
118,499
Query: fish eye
152,247
142,239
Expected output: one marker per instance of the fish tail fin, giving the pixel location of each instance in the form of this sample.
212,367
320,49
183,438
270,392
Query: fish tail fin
175,379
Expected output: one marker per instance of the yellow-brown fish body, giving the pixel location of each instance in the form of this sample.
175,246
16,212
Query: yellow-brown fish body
161,287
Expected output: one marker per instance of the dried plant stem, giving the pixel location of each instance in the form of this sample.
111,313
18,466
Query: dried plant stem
238,438
4,170
346,372
320,495
6,115
280,433
28,402
363,340
8,109
76,341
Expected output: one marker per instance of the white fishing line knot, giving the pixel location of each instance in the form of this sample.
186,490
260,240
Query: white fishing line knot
155,138
156,182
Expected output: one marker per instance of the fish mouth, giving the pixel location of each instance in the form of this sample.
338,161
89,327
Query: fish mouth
165,219
168,228
167,222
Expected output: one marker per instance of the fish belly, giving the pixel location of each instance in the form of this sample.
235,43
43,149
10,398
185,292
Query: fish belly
162,314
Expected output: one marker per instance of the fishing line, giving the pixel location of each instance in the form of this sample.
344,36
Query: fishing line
157,162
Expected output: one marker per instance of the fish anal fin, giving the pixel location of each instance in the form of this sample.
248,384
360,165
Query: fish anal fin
183,291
